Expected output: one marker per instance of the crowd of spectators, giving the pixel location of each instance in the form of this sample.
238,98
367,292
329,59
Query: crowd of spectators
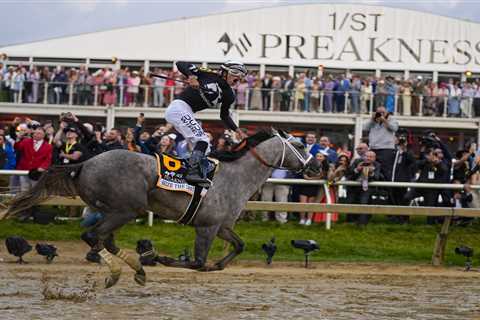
384,155
305,92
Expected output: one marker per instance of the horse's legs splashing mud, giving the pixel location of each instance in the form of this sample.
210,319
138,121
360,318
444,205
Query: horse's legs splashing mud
106,248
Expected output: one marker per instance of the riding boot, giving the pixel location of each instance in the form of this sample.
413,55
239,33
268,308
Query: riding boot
197,172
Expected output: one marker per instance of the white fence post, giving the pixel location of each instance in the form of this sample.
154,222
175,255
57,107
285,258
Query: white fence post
271,99
45,93
346,103
70,94
322,94
95,96
445,105
420,107
395,105
328,221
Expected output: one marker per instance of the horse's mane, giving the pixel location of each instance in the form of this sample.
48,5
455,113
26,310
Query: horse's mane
240,149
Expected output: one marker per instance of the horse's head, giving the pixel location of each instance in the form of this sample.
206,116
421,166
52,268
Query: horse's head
294,156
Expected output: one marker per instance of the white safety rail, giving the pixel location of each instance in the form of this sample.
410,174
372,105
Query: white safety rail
302,207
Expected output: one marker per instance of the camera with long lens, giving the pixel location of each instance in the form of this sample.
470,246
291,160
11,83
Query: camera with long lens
402,140
464,251
428,140
307,246
377,115
66,117
467,252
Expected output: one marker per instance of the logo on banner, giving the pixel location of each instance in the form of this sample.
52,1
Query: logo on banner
241,45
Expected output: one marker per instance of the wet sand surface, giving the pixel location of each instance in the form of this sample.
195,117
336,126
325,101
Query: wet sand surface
71,288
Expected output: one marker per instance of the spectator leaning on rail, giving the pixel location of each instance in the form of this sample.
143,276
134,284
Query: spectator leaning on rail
381,139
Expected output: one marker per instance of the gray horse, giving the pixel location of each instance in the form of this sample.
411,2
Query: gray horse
122,185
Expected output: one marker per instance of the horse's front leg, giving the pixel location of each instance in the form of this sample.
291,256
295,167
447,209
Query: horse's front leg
203,241
227,234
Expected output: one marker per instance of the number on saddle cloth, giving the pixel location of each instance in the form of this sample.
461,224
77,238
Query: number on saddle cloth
172,171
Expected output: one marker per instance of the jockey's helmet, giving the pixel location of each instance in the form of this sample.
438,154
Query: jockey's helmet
234,68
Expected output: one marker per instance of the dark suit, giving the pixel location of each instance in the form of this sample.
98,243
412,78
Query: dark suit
357,195
266,89
287,86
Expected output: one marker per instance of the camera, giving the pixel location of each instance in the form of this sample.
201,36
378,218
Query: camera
306,245
378,115
402,140
98,127
429,140
228,140
66,116
464,251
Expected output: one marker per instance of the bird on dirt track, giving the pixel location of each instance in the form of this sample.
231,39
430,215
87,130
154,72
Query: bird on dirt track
47,250
17,246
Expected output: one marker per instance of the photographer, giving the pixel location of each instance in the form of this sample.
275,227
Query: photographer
404,168
430,140
72,150
381,135
363,170
432,170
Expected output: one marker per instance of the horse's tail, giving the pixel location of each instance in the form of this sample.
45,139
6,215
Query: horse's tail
57,181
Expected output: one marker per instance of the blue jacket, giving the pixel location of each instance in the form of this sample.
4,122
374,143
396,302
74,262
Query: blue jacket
145,146
10,157
332,154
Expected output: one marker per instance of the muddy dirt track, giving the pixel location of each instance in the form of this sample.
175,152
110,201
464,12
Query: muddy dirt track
73,289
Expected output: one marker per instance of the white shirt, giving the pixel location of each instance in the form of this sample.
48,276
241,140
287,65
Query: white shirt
37,144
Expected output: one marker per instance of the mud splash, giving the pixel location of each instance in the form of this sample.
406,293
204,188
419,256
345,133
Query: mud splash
67,289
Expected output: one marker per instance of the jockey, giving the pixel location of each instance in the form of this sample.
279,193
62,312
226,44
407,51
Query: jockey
206,89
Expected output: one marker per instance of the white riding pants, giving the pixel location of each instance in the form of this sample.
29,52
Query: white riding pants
181,116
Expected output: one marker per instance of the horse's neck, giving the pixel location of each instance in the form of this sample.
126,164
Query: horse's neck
249,174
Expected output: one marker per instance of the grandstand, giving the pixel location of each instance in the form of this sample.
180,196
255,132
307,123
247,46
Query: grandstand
317,39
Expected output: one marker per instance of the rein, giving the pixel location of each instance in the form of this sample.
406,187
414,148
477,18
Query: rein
285,143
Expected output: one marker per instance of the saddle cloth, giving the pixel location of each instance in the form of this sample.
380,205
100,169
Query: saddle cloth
172,170
171,176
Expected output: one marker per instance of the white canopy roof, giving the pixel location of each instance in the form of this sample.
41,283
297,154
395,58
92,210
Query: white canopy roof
333,35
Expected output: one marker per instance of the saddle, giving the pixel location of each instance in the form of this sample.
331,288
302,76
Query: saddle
171,176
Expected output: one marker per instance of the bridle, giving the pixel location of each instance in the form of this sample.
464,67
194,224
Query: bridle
285,143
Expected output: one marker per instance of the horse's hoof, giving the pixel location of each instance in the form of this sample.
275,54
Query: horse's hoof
141,278
111,281
219,267
206,269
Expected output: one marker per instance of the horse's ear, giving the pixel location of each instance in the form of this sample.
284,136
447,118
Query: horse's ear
274,131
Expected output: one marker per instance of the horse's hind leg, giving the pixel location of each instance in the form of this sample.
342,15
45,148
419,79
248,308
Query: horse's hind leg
131,261
227,234
103,230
